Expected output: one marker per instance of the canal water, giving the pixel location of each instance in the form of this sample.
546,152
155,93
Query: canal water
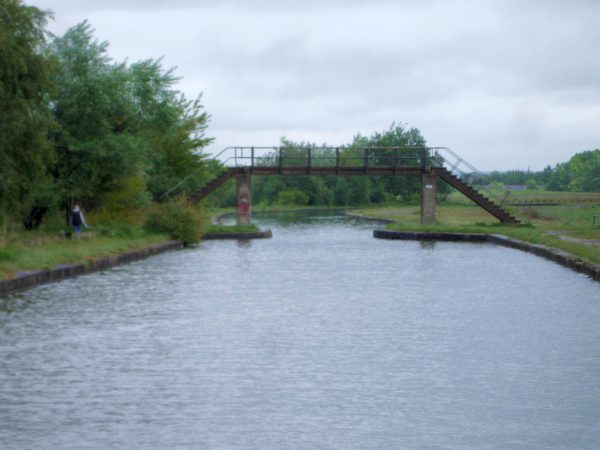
322,337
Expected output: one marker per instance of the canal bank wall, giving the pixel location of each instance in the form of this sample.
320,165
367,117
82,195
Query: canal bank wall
558,256
262,234
32,278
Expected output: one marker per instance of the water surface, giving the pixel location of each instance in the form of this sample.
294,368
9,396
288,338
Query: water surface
321,337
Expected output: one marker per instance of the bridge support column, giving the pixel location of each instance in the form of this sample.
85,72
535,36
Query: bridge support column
428,198
244,199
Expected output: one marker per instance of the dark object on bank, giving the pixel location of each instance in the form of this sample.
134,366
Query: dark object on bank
34,219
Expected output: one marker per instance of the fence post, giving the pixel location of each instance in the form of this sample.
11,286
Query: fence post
280,159
422,157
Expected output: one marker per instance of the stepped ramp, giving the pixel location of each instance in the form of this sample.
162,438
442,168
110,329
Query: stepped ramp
481,200
211,186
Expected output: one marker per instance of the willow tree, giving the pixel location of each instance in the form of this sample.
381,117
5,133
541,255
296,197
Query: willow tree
126,135
25,81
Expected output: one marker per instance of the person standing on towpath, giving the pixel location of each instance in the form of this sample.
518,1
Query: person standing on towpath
77,219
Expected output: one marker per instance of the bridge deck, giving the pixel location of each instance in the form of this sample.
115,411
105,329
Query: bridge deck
340,170
370,161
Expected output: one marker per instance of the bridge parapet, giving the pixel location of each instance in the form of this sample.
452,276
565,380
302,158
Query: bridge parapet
426,162
351,157
331,157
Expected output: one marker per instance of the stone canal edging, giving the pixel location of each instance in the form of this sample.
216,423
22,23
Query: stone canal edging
262,234
32,278
559,256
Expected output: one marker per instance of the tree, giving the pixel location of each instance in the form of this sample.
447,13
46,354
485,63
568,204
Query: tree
334,190
580,173
172,127
122,128
25,81
397,135
95,150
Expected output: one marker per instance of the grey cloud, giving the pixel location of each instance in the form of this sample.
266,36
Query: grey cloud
480,76
149,5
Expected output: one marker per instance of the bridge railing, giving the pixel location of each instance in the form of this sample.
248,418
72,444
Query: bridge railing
469,174
331,157
358,157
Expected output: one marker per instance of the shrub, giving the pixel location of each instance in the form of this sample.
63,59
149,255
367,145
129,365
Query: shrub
124,205
292,197
531,184
178,219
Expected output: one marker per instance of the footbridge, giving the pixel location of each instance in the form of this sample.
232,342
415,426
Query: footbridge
428,163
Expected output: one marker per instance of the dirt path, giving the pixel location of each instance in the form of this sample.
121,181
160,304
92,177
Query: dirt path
562,235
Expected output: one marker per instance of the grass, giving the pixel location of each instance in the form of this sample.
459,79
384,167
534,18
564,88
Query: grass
564,226
22,250
110,234
533,196
217,228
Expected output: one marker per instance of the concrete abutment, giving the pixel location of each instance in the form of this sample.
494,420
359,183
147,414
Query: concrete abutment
428,198
244,199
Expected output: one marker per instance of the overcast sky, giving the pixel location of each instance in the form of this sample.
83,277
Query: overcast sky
505,84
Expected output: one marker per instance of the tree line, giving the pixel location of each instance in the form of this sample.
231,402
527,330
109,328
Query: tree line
581,173
77,126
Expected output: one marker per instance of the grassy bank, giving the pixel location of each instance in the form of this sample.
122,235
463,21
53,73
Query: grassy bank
567,226
111,234
218,228
42,249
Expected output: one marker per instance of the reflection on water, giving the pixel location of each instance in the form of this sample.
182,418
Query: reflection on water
244,243
321,337
427,245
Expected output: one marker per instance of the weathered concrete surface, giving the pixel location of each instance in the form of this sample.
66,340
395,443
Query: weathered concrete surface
428,198
244,199
63,271
24,280
559,256
263,234
29,279
429,236
103,263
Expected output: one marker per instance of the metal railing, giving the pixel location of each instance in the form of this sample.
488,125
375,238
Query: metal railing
472,176
332,157
359,157
353,157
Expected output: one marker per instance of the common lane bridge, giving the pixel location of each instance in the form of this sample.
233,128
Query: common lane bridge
428,163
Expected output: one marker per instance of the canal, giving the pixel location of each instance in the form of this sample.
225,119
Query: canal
321,337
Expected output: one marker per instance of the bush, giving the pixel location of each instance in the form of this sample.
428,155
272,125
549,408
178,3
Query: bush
124,205
292,197
178,219
531,184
